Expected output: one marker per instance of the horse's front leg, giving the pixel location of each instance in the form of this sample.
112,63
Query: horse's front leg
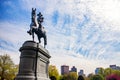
45,40
39,39
33,36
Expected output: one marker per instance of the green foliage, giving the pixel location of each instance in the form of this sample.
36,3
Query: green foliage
53,72
107,72
102,74
70,76
101,71
97,77
117,72
86,78
61,77
7,68
90,75
80,77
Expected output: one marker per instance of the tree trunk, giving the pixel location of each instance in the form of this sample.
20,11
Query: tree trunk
2,78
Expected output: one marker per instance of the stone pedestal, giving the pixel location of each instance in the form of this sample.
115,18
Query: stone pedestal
34,61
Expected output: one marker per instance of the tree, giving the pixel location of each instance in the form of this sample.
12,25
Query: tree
107,72
97,77
86,78
90,75
53,72
53,78
70,76
117,72
81,77
113,74
7,68
101,71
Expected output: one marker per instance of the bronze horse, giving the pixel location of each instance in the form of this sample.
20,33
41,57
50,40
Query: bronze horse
37,28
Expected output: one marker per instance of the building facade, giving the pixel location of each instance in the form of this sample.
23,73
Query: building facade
114,67
64,69
73,69
81,72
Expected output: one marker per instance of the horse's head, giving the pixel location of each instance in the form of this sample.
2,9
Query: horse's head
33,12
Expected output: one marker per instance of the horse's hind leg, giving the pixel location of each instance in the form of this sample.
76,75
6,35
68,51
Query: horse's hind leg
33,36
39,40
45,41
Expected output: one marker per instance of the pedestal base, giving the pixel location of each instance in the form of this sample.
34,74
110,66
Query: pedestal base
34,61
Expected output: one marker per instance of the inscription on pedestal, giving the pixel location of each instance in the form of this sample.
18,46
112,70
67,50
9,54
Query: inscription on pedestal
41,68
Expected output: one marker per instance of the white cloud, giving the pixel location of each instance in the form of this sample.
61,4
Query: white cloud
13,32
13,35
108,11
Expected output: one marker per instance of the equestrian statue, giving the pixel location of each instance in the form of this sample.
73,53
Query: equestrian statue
36,27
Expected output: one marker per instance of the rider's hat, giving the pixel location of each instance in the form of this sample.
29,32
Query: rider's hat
39,14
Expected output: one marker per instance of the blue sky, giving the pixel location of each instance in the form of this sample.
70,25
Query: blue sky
81,33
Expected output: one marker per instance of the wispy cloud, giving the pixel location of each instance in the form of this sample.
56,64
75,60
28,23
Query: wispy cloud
12,35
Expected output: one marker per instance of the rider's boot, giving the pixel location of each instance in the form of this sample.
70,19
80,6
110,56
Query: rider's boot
29,32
